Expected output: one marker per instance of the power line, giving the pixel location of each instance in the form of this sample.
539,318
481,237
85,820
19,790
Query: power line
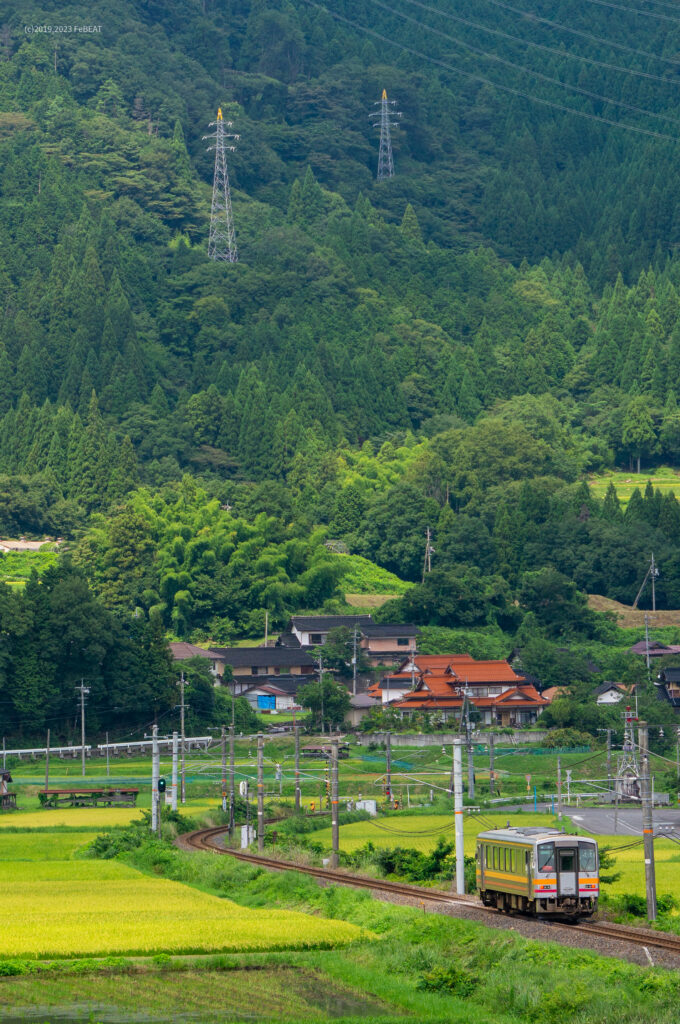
529,15
525,70
541,46
635,10
487,81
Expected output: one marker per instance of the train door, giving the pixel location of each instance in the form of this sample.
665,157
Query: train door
567,878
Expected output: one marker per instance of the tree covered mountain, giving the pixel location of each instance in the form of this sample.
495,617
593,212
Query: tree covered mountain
454,348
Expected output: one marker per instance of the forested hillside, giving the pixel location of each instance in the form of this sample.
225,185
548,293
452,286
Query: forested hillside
455,348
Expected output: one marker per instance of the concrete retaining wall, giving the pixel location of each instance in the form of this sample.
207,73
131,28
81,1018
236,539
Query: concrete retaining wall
438,739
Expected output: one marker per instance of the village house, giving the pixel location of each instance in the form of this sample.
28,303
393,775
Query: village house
277,693
246,662
612,693
381,643
668,682
499,695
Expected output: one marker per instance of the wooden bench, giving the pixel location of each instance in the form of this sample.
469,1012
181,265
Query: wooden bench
115,796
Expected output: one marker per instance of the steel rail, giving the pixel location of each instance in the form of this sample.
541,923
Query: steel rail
205,839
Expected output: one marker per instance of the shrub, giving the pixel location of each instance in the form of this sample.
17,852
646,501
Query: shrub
455,980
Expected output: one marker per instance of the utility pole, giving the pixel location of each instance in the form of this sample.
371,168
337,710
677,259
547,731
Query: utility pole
458,814
224,767
182,707
222,240
335,831
173,785
609,760
559,788
83,690
154,779
4,754
468,746
388,766
260,793
647,821
108,764
297,769
354,661
492,779
382,118
232,797
427,561
321,692
47,762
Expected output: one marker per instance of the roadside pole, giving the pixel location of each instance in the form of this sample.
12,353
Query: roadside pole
260,793
458,815
647,821
173,784
609,760
154,779
108,765
559,788
224,767
182,706
297,769
492,780
388,767
47,762
335,831
232,797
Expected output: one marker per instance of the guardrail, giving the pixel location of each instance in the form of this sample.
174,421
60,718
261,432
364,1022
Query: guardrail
138,747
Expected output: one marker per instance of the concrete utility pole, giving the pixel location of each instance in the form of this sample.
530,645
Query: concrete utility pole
458,814
388,766
47,762
354,661
609,760
173,785
559,788
297,770
224,767
108,763
154,779
4,754
492,780
232,797
321,692
83,690
468,744
335,831
260,793
182,706
647,821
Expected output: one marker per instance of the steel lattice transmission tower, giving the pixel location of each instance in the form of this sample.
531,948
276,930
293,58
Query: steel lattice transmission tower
222,241
383,119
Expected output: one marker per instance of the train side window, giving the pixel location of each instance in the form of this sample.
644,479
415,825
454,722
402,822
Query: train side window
496,857
587,856
546,857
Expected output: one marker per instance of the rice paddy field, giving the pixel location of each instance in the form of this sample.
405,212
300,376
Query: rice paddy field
66,907
663,477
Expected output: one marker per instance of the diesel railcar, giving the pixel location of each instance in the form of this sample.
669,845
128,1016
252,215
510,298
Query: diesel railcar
538,871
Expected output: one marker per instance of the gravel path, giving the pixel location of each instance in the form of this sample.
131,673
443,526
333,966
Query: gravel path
545,931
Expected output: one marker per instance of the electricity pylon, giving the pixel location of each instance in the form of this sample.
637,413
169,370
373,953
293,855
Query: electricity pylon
222,240
383,119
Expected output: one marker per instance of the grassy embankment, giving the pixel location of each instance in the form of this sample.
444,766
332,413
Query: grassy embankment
425,967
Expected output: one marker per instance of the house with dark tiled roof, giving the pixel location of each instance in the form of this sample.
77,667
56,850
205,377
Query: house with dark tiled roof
668,681
270,662
498,694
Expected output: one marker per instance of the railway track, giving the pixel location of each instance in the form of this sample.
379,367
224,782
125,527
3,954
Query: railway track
207,840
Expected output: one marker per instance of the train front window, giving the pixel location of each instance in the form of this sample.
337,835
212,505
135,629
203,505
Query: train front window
546,856
587,856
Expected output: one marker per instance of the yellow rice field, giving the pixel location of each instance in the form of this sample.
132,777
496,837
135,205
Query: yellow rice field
120,911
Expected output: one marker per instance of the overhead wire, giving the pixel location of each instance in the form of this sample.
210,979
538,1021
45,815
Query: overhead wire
355,26
529,15
522,69
541,46
634,10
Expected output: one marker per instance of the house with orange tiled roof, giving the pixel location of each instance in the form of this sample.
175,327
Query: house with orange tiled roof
494,689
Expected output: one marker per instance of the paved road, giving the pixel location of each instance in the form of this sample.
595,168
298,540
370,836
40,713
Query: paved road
629,823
